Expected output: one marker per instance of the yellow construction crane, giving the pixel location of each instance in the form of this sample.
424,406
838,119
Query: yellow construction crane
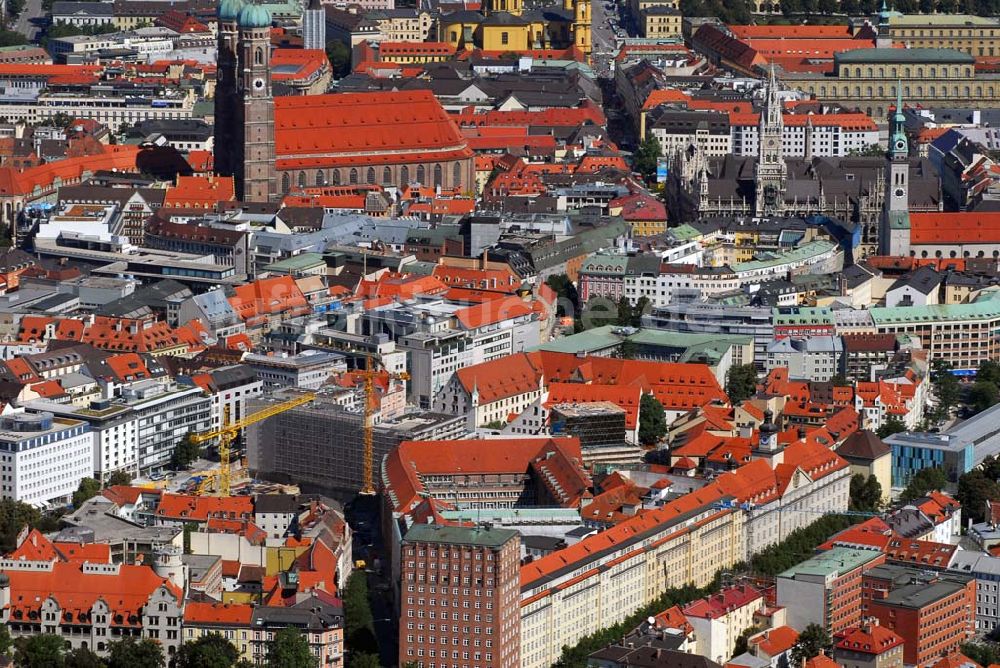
227,434
369,374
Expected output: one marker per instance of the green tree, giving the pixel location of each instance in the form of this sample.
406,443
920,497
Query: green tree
891,425
866,493
118,477
946,389
364,660
922,482
646,156
40,651
975,488
642,307
359,623
133,653
567,298
11,38
624,312
598,312
14,516
626,350
742,641
289,649
208,651
340,58
88,488
185,452
813,640
652,420
741,382
981,653
6,642
991,468
984,394
81,657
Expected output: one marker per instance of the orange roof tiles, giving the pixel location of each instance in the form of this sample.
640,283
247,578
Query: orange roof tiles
200,192
126,589
820,661
408,464
776,641
268,296
982,227
222,614
67,171
791,32
492,312
190,508
329,130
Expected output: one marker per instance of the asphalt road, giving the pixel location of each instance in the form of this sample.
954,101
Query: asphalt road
28,23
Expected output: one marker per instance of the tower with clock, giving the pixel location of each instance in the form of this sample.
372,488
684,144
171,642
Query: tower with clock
256,178
771,172
894,231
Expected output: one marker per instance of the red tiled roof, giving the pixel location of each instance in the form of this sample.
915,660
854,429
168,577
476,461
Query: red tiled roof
718,605
791,32
200,192
211,614
190,508
328,130
125,590
868,639
972,227
777,640
625,397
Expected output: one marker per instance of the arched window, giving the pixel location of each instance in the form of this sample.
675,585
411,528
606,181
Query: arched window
404,176
353,180
258,57
437,175
923,253
320,178
871,92
920,73
822,91
456,176
931,90
371,175
387,176
286,182
302,179
881,91
335,176
421,175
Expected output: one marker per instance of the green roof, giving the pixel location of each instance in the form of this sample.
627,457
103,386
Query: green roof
941,20
902,56
296,262
836,562
800,254
684,232
690,345
474,536
987,306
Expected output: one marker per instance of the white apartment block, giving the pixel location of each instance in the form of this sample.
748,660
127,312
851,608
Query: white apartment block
819,135
560,607
814,358
43,458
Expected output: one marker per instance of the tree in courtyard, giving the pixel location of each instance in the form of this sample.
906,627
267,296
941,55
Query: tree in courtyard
813,640
118,477
866,493
185,452
646,156
891,425
741,382
135,653
289,649
208,651
87,489
923,481
652,420
984,394
82,657
40,651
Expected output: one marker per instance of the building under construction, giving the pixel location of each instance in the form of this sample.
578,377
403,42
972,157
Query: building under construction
320,445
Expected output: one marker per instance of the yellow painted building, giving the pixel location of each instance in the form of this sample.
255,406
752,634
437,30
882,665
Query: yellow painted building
660,21
504,25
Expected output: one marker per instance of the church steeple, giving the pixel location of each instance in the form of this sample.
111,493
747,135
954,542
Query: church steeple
256,177
894,235
771,172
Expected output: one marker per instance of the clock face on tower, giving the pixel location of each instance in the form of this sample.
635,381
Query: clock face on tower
900,145
898,192
258,84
